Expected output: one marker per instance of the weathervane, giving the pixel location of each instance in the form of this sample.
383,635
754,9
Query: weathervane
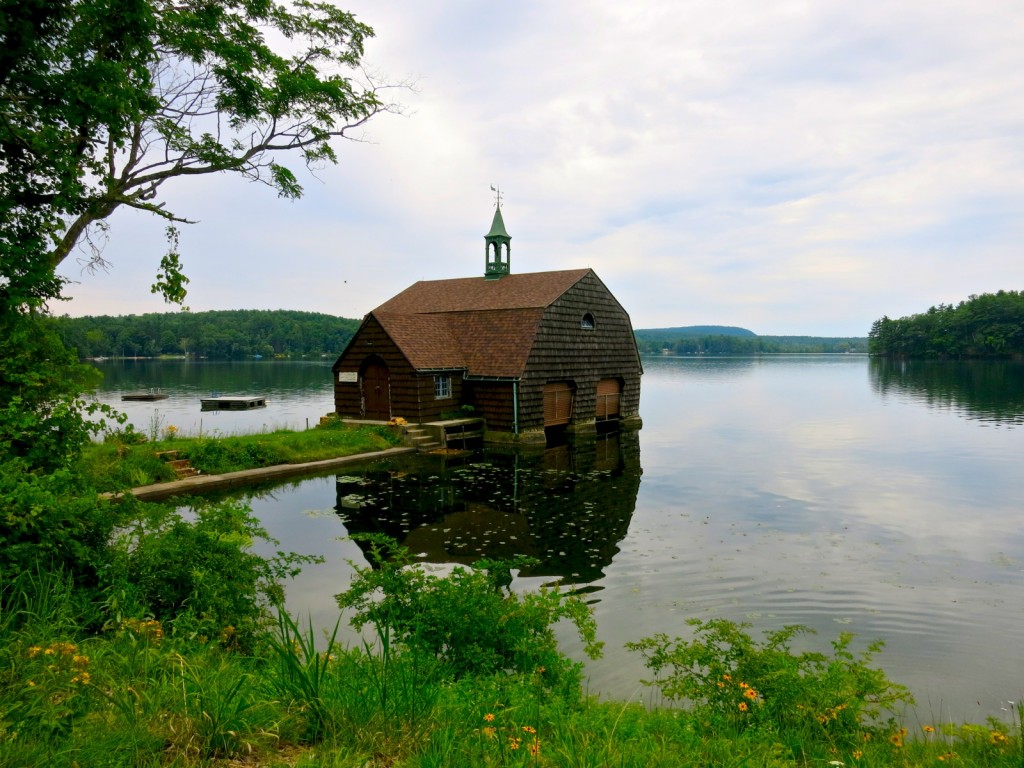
497,195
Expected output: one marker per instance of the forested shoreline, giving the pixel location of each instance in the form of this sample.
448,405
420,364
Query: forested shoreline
989,325
219,335
245,333
730,344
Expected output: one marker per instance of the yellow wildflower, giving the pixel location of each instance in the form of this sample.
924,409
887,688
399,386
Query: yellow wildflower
514,742
34,651
529,729
928,729
750,693
489,717
743,706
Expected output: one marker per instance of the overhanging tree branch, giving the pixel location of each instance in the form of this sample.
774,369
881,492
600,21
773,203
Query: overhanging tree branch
104,108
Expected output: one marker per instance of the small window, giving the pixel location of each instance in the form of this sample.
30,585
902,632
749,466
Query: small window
587,321
442,387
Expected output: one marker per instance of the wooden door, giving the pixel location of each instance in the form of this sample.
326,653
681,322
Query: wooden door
557,403
608,392
376,390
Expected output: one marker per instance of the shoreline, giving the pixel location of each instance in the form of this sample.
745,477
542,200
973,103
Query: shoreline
203,483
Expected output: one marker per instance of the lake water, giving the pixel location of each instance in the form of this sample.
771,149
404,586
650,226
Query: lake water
831,491
297,393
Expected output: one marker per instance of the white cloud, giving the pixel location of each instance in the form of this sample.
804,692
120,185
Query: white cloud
792,167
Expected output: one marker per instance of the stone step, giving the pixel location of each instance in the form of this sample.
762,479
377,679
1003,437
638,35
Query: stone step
421,439
183,468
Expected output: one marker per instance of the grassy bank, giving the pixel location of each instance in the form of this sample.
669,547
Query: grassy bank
128,459
458,673
138,634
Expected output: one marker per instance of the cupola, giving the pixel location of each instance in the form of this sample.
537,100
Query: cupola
498,244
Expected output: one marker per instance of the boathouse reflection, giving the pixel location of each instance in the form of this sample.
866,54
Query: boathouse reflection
567,506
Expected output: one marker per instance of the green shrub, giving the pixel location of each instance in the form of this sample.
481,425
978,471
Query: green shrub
50,521
735,684
209,456
200,574
466,620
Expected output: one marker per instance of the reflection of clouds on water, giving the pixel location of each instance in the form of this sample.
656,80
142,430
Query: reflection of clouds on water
801,497
775,492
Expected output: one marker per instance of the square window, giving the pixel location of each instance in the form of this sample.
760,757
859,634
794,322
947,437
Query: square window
442,387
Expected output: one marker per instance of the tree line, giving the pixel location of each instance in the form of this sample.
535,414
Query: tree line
241,333
219,335
731,344
989,325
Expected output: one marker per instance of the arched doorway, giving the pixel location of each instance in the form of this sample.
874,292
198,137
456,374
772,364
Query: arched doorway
376,387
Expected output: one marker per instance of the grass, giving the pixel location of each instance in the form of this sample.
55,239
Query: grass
130,459
136,693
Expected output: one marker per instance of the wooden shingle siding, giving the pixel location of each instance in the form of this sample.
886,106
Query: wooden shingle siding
565,351
429,407
541,328
372,341
492,401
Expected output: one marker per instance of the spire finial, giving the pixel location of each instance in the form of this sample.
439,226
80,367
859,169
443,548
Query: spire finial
497,195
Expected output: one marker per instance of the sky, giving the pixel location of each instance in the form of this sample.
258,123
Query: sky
794,168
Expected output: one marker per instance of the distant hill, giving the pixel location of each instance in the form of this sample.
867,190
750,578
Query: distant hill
729,340
692,330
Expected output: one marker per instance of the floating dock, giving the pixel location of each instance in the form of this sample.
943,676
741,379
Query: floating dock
144,396
232,403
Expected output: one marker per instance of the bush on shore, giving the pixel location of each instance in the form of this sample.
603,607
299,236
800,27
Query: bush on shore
138,690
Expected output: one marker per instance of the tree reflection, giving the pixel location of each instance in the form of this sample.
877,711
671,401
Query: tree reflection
568,506
989,390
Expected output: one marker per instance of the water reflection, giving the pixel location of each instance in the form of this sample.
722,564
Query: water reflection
568,506
989,390
297,393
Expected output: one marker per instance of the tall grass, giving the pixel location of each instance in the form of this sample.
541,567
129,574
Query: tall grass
137,693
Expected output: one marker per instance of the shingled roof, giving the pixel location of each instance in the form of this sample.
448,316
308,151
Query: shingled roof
467,294
485,327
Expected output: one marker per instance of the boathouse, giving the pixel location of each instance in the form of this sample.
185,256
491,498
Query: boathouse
526,352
